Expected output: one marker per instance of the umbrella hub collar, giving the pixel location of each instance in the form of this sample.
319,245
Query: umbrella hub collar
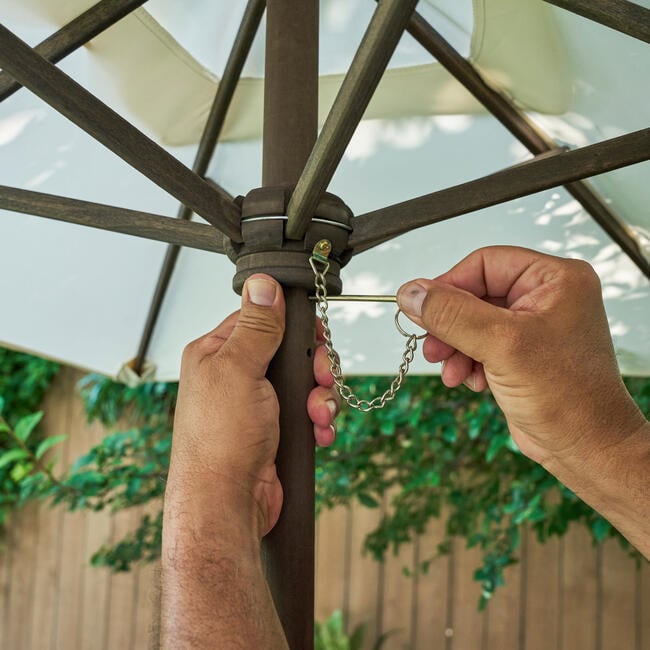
265,248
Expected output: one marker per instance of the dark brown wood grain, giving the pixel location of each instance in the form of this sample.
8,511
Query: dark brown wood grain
114,132
365,72
540,173
73,35
290,127
211,132
623,16
108,217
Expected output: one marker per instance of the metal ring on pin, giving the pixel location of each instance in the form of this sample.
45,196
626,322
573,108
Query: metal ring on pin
403,332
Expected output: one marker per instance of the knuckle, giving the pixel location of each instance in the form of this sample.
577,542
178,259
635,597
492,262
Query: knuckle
583,274
191,351
261,322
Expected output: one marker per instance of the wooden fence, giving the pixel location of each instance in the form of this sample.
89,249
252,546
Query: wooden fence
564,595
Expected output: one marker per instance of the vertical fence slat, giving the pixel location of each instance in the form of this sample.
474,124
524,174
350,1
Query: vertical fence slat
398,598
44,608
24,541
145,606
503,613
644,607
123,590
431,594
619,628
71,603
397,590
363,579
330,562
467,621
96,583
579,591
542,594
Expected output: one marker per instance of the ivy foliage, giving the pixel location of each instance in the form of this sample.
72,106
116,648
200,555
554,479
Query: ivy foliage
433,452
440,452
24,380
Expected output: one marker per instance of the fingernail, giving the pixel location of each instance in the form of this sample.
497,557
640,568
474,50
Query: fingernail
331,405
410,298
261,292
470,382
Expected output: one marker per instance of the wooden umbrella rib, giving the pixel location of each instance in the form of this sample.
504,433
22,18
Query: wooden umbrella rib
111,218
524,129
372,57
72,36
540,173
627,17
211,132
114,132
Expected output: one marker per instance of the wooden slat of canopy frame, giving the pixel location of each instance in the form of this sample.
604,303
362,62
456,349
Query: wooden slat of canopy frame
108,217
110,129
370,61
540,173
627,17
518,123
73,35
232,72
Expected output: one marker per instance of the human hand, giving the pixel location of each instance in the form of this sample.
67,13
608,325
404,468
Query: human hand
533,328
226,428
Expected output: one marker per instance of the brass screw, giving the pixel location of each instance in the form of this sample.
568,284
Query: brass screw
323,247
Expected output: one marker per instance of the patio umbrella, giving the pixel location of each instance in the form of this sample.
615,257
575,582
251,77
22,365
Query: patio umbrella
554,79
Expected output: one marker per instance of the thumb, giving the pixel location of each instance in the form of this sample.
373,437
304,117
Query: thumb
454,316
260,326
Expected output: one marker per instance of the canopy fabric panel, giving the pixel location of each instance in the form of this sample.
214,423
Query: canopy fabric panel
514,42
82,296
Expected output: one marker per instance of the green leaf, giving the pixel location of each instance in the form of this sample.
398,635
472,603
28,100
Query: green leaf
12,456
20,471
27,424
358,636
600,528
496,444
367,501
47,444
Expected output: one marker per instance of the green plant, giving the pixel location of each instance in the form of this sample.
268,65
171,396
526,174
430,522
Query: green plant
443,452
437,452
24,380
331,635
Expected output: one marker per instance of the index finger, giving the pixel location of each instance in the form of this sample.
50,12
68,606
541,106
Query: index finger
501,272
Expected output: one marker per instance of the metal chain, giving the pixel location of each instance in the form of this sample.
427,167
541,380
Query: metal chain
320,266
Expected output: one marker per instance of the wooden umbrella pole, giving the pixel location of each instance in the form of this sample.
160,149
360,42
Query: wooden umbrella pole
290,126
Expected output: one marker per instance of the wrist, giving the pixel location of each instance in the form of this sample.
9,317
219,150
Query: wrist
210,512
614,481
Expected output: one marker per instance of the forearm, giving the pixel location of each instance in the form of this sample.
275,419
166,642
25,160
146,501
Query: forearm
214,591
615,481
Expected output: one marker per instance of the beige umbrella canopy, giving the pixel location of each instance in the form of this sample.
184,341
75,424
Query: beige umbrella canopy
400,116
